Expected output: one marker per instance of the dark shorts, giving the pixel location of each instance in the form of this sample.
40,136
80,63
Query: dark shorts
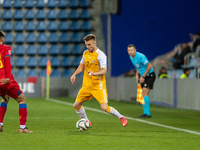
11,89
149,81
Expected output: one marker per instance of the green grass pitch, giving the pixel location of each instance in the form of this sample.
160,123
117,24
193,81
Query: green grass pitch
54,128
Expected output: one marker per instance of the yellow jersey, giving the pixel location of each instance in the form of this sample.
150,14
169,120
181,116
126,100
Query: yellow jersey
94,62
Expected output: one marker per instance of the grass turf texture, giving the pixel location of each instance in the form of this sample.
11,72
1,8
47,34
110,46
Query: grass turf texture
54,127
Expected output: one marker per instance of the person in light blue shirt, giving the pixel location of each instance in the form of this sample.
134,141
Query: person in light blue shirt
145,75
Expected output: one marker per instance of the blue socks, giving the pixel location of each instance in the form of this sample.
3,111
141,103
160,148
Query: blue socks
144,109
146,106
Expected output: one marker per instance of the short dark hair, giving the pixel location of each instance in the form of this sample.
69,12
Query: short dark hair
185,70
90,37
2,34
131,45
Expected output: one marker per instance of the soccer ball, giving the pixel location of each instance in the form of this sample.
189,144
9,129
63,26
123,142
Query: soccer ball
82,125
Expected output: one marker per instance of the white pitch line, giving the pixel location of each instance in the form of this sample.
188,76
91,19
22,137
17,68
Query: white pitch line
139,120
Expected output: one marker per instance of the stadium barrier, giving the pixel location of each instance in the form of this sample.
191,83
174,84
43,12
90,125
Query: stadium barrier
176,93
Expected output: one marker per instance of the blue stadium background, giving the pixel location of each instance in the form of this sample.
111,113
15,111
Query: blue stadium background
155,27
39,31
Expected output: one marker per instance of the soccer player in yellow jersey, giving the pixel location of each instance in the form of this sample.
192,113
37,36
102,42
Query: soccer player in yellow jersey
94,64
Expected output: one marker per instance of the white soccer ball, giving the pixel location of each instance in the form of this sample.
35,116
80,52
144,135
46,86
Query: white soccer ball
82,125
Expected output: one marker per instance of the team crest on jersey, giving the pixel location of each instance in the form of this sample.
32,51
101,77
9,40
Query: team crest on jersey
93,61
9,52
137,65
145,62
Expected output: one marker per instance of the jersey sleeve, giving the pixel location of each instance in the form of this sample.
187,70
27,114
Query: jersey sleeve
82,59
144,60
7,55
102,60
7,52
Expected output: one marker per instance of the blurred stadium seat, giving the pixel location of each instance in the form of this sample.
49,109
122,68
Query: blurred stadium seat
19,50
19,26
66,62
43,62
51,4
41,26
76,37
53,38
32,62
20,62
55,73
7,15
29,4
86,25
77,60
85,34
12,49
74,14
32,73
63,14
75,26
73,3
85,14
12,71
31,50
64,26
18,15
64,38
8,38
31,38
7,4
17,3
67,73
21,73
54,50
7,26
65,50
43,73
12,62
40,4
52,26
30,26
77,50
52,14
29,15
40,14
19,38
55,62
85,3
42,38
42,50
62,3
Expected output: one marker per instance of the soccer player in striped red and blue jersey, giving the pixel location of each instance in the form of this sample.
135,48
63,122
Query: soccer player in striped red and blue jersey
10,88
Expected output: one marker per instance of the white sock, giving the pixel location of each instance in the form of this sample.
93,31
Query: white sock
1,123
81,113
114,112
22,126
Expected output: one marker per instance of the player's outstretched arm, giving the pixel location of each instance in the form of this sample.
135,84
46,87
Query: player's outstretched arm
78,70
